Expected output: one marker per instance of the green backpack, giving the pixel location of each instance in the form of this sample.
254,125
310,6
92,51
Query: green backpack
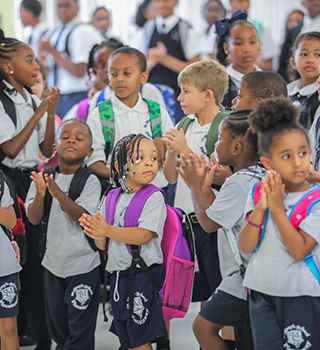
108,125
213,130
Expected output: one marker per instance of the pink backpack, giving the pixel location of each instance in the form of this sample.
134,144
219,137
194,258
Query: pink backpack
178,252
298,213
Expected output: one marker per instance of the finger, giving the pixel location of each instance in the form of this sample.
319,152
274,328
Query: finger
213,159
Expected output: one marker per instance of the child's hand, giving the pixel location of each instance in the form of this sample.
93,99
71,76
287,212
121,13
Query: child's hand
274,189
39,183
176,139
94,226
314,176
161,150
42,109
221,172
52,186
53,97
263,202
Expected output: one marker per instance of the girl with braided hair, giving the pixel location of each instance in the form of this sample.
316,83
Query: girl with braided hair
134,165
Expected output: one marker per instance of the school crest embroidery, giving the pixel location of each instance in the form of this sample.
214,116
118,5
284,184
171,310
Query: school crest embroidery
140,312
8,295
295,337
81,296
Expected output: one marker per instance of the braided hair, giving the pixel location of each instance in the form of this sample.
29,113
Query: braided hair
122,154
8,47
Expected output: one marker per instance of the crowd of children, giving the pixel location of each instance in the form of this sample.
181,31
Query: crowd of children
245,162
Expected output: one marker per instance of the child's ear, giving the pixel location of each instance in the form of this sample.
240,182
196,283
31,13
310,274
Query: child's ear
237,148
54,146
209,95
116,165
266,162
292,63
90,152
226,48
7,68
144,77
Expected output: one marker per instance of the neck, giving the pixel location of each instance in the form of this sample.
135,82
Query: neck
129,101
35,22
68,169
208,114
303,186
307,81
243,164
12,82
243,70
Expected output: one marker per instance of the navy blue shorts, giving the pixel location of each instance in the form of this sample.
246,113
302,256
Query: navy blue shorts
208,278
285,322
146,324
9,296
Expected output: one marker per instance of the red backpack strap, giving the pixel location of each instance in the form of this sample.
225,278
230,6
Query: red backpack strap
303,207
256,192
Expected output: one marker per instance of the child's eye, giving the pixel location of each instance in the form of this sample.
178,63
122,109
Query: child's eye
286,156
79,139
154,159
303,54
127,73
113,74
302,154
317,55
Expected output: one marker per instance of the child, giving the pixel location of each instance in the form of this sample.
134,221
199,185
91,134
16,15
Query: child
237,147
202,88
284,292
127,71
305,61
170,44
134,165
257,86
20,142
9,268
71,274
238,47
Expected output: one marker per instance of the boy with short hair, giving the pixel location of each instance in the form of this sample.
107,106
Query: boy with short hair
71,274
203,86
131,113
257,86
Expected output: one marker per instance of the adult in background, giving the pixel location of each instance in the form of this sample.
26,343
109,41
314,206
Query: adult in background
30,11
67,49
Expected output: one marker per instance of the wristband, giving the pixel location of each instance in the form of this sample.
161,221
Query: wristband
253,224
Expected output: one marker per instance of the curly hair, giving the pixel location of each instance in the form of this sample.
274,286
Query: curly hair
271,118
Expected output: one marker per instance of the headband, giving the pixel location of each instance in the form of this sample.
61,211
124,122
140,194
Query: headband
222,27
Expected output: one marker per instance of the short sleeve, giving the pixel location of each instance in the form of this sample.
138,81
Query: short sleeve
311,223
90,195
166,121
154,214
193,45
228,208
6,199
7,130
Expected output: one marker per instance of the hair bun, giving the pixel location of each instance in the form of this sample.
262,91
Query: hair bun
271,112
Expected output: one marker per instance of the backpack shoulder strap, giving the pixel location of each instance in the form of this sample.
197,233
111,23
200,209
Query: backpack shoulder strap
1,184
78,182
48,197
214,131
184,124
101,96
110,204
83,108
155,118
8,106
66,49
108,126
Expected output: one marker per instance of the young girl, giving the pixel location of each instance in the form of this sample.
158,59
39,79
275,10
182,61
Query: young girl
20,141
238,47
305,61
237,147
9,268
134,165
285,294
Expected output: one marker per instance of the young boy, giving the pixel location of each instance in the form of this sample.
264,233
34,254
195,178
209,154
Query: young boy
203,85
131,114
257,86
170,44
71,274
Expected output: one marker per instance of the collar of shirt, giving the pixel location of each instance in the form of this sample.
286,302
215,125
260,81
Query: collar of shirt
295,88
310,24
18,98
119,108
169,23
235,75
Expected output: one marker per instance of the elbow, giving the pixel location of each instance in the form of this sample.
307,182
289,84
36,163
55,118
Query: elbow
209,227
12,222
299,256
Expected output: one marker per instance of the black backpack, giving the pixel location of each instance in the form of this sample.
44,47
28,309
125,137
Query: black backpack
9,108
76,186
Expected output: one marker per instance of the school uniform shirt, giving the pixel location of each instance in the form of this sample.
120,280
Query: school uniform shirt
127,121
68,252
8,260
310,24
29,155
37,32
152,218
236,76
80,43
295,89
196,137
209,41
227,211
192,47
314,138
272,270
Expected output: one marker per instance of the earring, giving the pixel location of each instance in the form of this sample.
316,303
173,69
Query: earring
11,72
234,153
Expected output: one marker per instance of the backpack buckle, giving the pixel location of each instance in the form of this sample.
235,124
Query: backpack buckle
193,219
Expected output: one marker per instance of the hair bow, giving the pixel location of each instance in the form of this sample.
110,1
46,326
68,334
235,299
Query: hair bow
222,26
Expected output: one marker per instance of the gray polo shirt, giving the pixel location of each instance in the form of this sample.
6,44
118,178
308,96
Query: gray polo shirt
8,260
68,252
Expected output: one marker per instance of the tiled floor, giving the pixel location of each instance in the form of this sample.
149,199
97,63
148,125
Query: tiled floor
182,337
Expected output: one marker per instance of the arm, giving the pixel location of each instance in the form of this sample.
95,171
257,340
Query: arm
170,166
198,177
96,227
14,146
8,217
100,169
46,146
35,210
